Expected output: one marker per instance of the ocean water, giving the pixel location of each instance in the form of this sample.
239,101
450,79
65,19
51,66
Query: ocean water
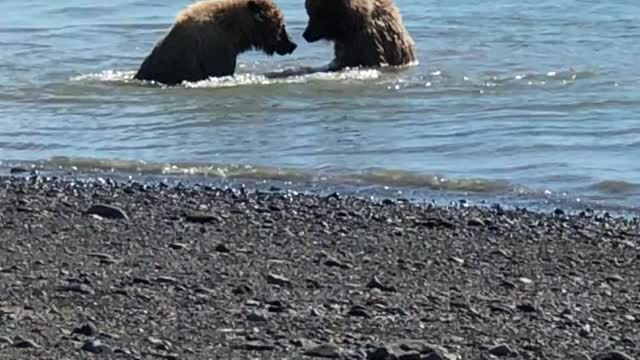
509,100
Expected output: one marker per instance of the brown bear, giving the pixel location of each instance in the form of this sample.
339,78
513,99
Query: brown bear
208,36
367,33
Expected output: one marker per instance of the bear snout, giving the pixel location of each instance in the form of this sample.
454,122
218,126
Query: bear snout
311,36
286,47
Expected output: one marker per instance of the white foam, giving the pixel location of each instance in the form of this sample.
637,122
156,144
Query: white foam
241,79
107,75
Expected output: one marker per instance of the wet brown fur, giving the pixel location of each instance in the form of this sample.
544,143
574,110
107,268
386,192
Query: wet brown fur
207,37
366,33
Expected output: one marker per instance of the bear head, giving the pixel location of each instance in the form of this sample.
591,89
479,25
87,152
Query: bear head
335,19
270,32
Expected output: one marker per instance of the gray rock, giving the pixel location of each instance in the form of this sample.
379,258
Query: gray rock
326,350
178,246
526,307
5,340
18,170
375,283
103,257
257,316
222,248
333,262
409,350
612,355
166,280
107,211
242,289
96,346
501,350
303,343
257,346
278,280
77,288
201,218
21,343
358,310
88,329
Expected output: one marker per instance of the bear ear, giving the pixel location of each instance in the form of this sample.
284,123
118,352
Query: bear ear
256,9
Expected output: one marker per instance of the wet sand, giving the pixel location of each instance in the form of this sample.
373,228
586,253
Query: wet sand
128,271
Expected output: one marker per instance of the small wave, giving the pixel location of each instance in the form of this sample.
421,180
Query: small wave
241,79
106,75
366,177
616,187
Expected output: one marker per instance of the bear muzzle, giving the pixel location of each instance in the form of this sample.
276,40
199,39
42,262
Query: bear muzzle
310,36
286,46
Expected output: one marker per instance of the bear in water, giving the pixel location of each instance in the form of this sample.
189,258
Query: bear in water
208,36
366,33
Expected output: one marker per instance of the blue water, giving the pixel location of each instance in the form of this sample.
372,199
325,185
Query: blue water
538,99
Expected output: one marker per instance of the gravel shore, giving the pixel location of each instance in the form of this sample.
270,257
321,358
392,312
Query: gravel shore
128,271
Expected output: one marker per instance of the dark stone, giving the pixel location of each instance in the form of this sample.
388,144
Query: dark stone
25,344
18,170
257,346
526,307
327,350
141,280
88,329
333,262
257,316
77,288
96,346
358,310
201,218
278,280
107,211
178,246
475,222
612,355
374,283
501,350
408,350
222,248
242,289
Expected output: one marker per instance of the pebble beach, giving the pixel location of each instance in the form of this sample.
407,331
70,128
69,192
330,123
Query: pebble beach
93,269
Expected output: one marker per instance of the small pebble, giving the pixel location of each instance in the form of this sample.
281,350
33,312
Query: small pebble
615,278
333,262
257,316
77,288
327,350
242,289
375,283
107,211
358,310
278,280
25,344
88,329
96,346
526,307
257,346
200,218
612,355
525,281
18,170
501,350
222,248
178,246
